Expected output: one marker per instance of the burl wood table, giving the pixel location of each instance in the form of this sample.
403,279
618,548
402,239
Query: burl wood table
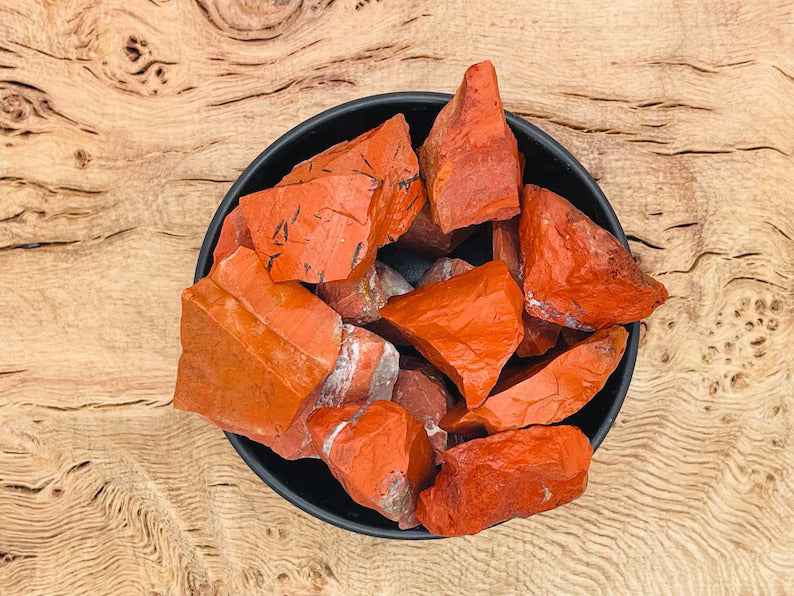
124,122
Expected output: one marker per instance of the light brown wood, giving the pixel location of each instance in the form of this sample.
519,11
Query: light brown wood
123,123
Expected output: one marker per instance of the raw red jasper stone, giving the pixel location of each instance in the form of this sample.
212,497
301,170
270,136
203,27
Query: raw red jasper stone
470,157
539,336
234,234
385,154
365,371
443,269
379,453
357,301
424,237
252,350
420,389
576,273
467,326
316,231
513,474
547,392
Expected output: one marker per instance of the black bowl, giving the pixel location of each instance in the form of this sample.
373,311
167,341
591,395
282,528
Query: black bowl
308,483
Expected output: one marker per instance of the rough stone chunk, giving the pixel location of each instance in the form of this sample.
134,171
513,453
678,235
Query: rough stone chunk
357,301
316,231
506,247
252,350
467,326
442,270
393,283
547,392
513,474
385,154
365,370
571,337
425,238
379,453
234,234
576,273
539,336
470,157
420,389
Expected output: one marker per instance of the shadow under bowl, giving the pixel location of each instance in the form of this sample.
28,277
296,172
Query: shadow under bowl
308,483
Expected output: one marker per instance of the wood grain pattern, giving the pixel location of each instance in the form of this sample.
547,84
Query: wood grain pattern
123,123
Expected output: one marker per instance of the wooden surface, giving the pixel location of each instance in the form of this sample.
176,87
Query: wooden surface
124,122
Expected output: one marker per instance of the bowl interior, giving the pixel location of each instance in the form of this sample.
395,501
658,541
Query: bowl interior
308,483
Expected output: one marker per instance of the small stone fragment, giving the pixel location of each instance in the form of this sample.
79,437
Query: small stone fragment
357,301
443,269
577,274
425,238
539,336
420,389
470,157
365,370
318,231
234,234
513,474
252,350
393,283
467,326
506,247
385,154
547,392
379,453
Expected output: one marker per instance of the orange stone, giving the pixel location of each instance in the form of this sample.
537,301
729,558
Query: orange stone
442,270
513,474
234,234
316,231
385,154
425,238
576,273
420,389
379,453
467,326
470,157
365,371
547,392
252,350
571,337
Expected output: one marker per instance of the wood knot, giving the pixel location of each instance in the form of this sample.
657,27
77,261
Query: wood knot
251,21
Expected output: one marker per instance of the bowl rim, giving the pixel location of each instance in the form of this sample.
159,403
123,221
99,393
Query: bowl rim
549,144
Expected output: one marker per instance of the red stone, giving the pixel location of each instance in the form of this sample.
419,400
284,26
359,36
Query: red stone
365,370
393,283
252,350
385,154
442,270
379,453
577,274
320,230
425,238
357,301
506,247
513,474
234,234
467,326
470,157
571,337
539,336
420,389
547,392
